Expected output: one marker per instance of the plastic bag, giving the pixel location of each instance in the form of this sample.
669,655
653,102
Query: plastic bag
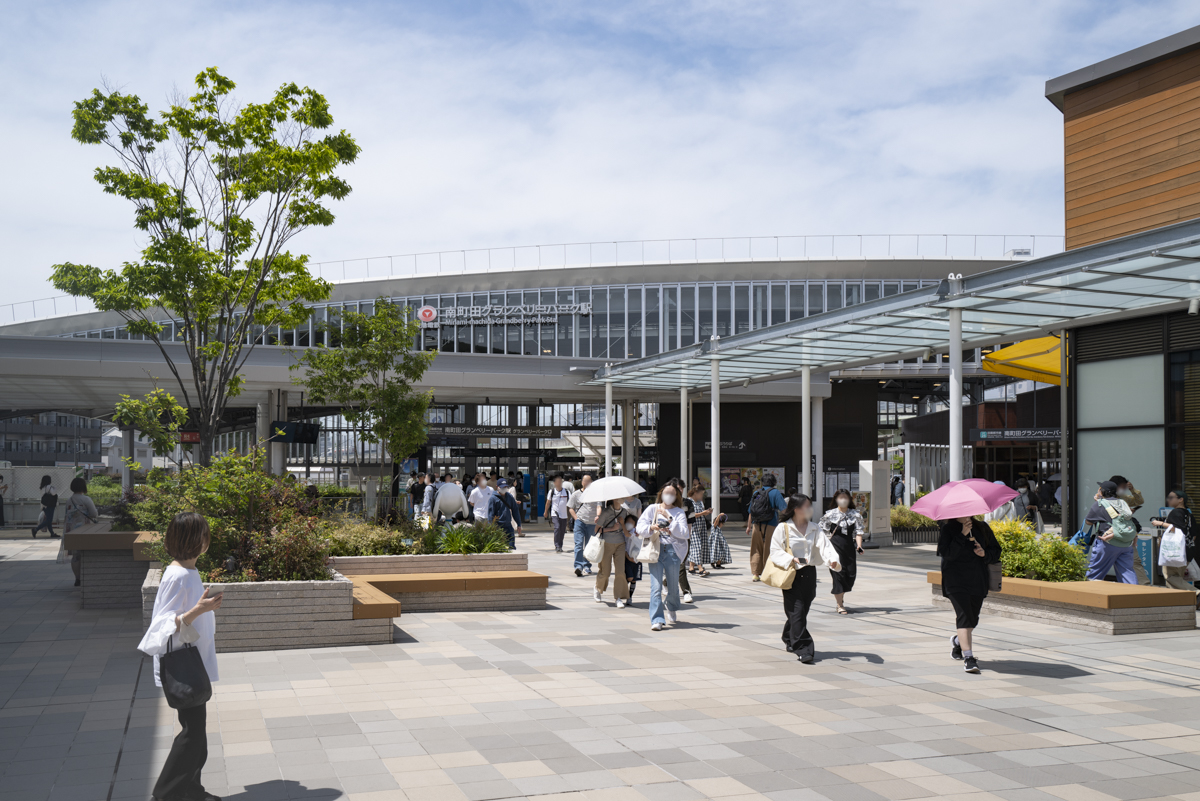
1193,571
1172,550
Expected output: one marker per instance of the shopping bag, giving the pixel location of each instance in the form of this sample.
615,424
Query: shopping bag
1172,550
1193,571
594,550
649,549
1039,525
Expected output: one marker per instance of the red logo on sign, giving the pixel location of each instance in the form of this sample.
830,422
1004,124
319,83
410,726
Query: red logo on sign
189,436
427,314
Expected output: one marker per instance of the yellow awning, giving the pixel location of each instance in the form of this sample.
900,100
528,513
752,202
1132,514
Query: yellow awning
1033,360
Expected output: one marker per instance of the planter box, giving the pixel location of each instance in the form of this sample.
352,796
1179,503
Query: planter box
278,615
1103,607
109,574
429,563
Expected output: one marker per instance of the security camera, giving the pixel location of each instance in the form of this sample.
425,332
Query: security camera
746,383
1194,306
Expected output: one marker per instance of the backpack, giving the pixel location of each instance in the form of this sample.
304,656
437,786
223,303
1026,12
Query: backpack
760,507
499,511
1124,529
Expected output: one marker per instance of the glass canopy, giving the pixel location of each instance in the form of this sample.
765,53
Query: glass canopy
1141,274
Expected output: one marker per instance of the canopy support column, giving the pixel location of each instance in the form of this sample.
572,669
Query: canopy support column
956,395
806,431
715,475
1068,519
608,424
683,435
126,455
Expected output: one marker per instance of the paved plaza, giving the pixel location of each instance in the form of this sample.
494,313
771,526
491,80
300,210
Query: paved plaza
583,701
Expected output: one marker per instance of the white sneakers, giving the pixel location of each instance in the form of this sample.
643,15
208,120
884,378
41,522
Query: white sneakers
596,597
656,626
687,598
620,604
670,616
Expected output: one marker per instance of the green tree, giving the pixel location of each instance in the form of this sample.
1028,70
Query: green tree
158,417
370,375
219,189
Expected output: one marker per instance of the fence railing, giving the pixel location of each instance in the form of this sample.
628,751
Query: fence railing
584,255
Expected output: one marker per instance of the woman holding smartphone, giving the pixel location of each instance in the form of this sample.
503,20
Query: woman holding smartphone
667,520
844,526
181,616
967,546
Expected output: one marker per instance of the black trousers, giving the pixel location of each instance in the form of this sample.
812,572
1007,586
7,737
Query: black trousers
180,777
684,586
796,602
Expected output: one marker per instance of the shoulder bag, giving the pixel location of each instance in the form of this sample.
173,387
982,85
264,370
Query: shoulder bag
650,548
995,577
775,576
183,677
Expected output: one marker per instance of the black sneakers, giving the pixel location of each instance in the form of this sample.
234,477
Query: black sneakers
955,648
578,571
970,665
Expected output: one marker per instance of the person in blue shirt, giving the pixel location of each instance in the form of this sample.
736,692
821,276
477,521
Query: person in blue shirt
765,505
504,512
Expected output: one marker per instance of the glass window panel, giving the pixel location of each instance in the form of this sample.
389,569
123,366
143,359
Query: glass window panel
513,333
616,322
547,299
566,326
633,349
706,312
833,295
741,309
599,323
871,292
853,294
463,338
909,286
1185,389
652,321
1100,406
796,301
778,303
760,308
687,316
1136,453
1185,460
583,339
481,338
671,312
816,300
890,289
724,311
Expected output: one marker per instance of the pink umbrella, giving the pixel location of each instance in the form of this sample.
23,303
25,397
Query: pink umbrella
966,498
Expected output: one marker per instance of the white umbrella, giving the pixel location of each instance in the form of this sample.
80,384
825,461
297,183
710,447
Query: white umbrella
606,489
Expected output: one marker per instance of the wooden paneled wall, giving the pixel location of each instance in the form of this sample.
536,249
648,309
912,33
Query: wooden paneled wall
1133,151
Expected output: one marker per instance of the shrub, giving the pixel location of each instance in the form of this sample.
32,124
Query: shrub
904,517
474,538
348,537
105,490
1045,557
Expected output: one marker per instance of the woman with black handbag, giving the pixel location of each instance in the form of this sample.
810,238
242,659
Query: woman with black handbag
181,638
968,549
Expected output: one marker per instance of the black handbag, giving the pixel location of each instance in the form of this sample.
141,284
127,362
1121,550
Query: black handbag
183,677
995,577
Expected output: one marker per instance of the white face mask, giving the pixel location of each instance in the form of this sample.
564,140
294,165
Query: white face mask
843,503
629,526
668,498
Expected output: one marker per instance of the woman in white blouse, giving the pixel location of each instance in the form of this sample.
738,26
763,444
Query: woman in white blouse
181,615
666,520
810,548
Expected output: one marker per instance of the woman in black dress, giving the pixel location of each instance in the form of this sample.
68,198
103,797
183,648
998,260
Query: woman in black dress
844,526
967,546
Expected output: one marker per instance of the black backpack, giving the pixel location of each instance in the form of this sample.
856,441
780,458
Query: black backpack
760,507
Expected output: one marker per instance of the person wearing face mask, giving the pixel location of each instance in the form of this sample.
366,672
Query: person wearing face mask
800,543
610,525
967,546
1024,506
584,515
1111,549
844,526
480,498
1133,498
666,520
1181,518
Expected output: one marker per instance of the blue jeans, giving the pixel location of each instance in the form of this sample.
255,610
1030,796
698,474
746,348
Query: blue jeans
665,569
1105,555
583,533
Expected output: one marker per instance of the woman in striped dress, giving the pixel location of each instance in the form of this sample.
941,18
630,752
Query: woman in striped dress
699,545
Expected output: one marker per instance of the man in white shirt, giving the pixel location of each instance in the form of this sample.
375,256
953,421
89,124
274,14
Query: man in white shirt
556,510
584,515
481,498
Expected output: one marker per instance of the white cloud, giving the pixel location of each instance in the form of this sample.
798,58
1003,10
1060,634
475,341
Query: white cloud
495,123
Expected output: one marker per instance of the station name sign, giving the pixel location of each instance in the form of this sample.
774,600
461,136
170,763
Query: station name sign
500,315
532,432
1017,434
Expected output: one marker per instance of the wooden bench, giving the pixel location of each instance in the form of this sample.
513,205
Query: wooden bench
1101,606
500,590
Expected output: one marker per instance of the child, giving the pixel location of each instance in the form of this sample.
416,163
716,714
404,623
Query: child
633,568
181,602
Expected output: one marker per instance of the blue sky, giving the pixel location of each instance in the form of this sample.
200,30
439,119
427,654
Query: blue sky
510,123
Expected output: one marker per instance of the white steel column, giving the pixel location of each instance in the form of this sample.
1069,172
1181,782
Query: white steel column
683,435
608,423
715,476
806,431
956,393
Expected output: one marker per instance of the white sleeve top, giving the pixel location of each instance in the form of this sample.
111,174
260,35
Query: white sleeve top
678,529
812,545
178,592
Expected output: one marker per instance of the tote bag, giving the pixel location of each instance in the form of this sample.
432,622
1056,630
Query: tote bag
650,547
183,677
778,577
594,550
1172,551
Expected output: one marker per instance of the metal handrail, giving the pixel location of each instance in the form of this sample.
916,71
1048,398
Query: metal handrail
617,253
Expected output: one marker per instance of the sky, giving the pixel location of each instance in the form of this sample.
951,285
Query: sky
497,123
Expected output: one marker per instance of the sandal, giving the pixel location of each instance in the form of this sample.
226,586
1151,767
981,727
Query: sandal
702,573
842,610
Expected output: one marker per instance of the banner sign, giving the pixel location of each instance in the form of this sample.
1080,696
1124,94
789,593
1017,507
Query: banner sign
1017,434
500,315
540,432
